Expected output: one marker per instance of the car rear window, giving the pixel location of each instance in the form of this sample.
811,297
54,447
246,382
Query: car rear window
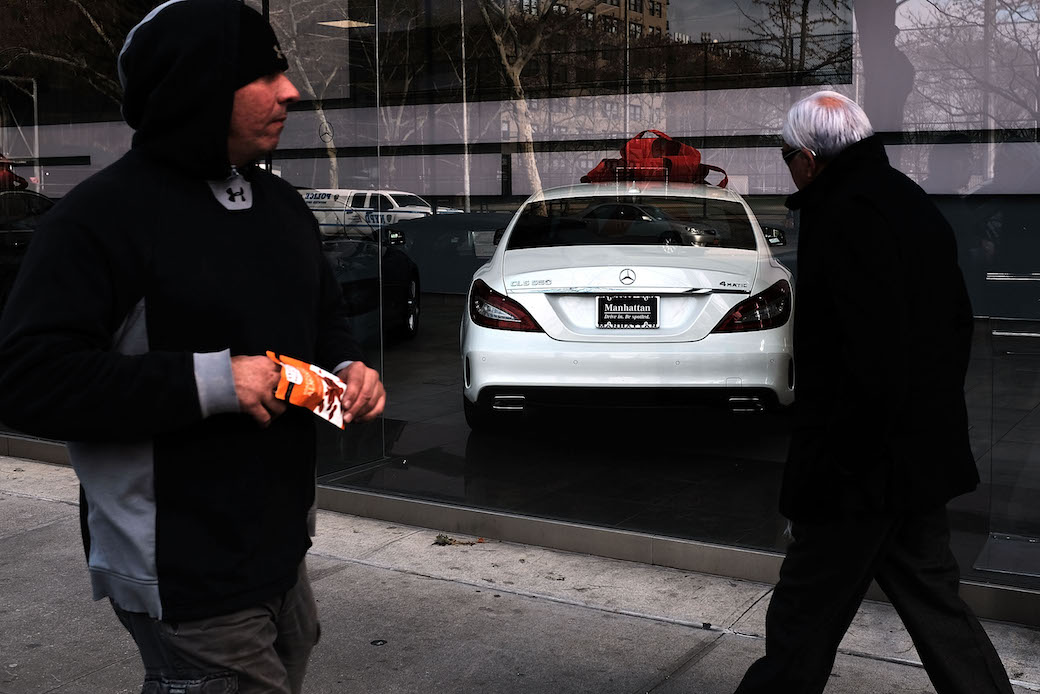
638,220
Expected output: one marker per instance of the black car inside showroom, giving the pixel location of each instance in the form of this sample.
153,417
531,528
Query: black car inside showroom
525,401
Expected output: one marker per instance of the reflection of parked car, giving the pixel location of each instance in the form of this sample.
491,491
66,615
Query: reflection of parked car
357,260
449,247
20,212
646,296
338,209
624,211
630,223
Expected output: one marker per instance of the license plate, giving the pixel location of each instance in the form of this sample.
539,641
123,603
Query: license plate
625,311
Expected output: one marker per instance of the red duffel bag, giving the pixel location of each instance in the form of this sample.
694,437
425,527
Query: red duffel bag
658,158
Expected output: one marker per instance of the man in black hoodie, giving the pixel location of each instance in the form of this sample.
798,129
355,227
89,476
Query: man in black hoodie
882,334
136,331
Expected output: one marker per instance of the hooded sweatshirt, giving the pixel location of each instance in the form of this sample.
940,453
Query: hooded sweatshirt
138,288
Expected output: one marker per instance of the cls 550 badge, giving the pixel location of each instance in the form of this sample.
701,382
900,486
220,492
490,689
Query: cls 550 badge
530,283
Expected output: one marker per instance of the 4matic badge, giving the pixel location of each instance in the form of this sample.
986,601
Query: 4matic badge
734,285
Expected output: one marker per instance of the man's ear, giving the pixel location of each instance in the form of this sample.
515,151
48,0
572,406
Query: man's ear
815,165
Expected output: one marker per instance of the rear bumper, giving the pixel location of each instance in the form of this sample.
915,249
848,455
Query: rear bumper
669,374
513,398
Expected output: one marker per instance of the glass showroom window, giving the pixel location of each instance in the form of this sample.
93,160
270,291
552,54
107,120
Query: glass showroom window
430,125
485,138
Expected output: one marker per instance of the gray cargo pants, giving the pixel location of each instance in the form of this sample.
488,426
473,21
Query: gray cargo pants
262,649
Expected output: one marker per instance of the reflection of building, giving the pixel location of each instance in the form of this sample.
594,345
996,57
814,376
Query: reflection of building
638,17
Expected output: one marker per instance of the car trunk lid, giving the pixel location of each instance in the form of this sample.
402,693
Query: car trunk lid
629,294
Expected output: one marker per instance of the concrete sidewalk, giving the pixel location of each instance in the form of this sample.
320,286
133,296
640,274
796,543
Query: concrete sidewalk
403,614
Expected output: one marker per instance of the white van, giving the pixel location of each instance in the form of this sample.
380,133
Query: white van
341,210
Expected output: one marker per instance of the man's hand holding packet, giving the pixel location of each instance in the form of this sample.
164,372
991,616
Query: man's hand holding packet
311,387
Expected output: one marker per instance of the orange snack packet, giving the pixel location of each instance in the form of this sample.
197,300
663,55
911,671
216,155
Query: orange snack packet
311,387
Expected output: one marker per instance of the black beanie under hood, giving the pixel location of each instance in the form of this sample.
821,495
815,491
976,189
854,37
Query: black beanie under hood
180,67
258,51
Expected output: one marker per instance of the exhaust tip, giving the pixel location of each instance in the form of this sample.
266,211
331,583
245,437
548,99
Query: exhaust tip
508,403
746,403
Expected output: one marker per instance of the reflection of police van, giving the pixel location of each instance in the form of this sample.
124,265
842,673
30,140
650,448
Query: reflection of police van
341,211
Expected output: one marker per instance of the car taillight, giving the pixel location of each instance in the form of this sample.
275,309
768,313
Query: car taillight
490,309
770,309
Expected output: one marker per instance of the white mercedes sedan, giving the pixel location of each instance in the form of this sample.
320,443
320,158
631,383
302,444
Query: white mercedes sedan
629,295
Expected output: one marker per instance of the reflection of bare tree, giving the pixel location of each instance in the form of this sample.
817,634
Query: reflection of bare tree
977,66
451,50
800,34
452,47
403,58
517,38
70,40
979,62
316,54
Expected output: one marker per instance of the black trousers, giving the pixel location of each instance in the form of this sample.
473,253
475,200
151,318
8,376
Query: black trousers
828,570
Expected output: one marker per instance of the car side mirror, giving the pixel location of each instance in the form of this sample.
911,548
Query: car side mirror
392,237
774,236
498,236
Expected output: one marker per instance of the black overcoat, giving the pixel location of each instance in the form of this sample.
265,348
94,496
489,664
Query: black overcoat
882,335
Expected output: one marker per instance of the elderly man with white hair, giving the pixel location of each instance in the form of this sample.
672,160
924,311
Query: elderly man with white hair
882,334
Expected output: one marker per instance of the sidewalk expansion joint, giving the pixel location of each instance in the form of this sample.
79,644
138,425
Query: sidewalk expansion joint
1031,686
757,600
394,541
41,526
65,685
685,663
36,497
500,588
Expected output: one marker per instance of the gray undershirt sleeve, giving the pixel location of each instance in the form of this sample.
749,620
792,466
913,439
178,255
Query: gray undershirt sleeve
215,383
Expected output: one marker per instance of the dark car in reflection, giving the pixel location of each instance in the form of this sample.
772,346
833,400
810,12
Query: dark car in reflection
358,260
450,247
20,213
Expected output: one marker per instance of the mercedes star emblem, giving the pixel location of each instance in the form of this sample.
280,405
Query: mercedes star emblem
325,131
627,276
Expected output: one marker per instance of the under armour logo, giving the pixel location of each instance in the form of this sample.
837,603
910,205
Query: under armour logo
278,52
232,194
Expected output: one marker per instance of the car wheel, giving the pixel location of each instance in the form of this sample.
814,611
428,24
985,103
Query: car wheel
410,325
670,238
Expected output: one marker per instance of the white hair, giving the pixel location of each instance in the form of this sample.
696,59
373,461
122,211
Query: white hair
826,123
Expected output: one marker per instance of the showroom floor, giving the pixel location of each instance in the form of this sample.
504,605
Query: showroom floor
693,474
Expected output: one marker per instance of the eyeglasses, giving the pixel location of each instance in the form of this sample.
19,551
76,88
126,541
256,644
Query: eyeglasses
792,153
